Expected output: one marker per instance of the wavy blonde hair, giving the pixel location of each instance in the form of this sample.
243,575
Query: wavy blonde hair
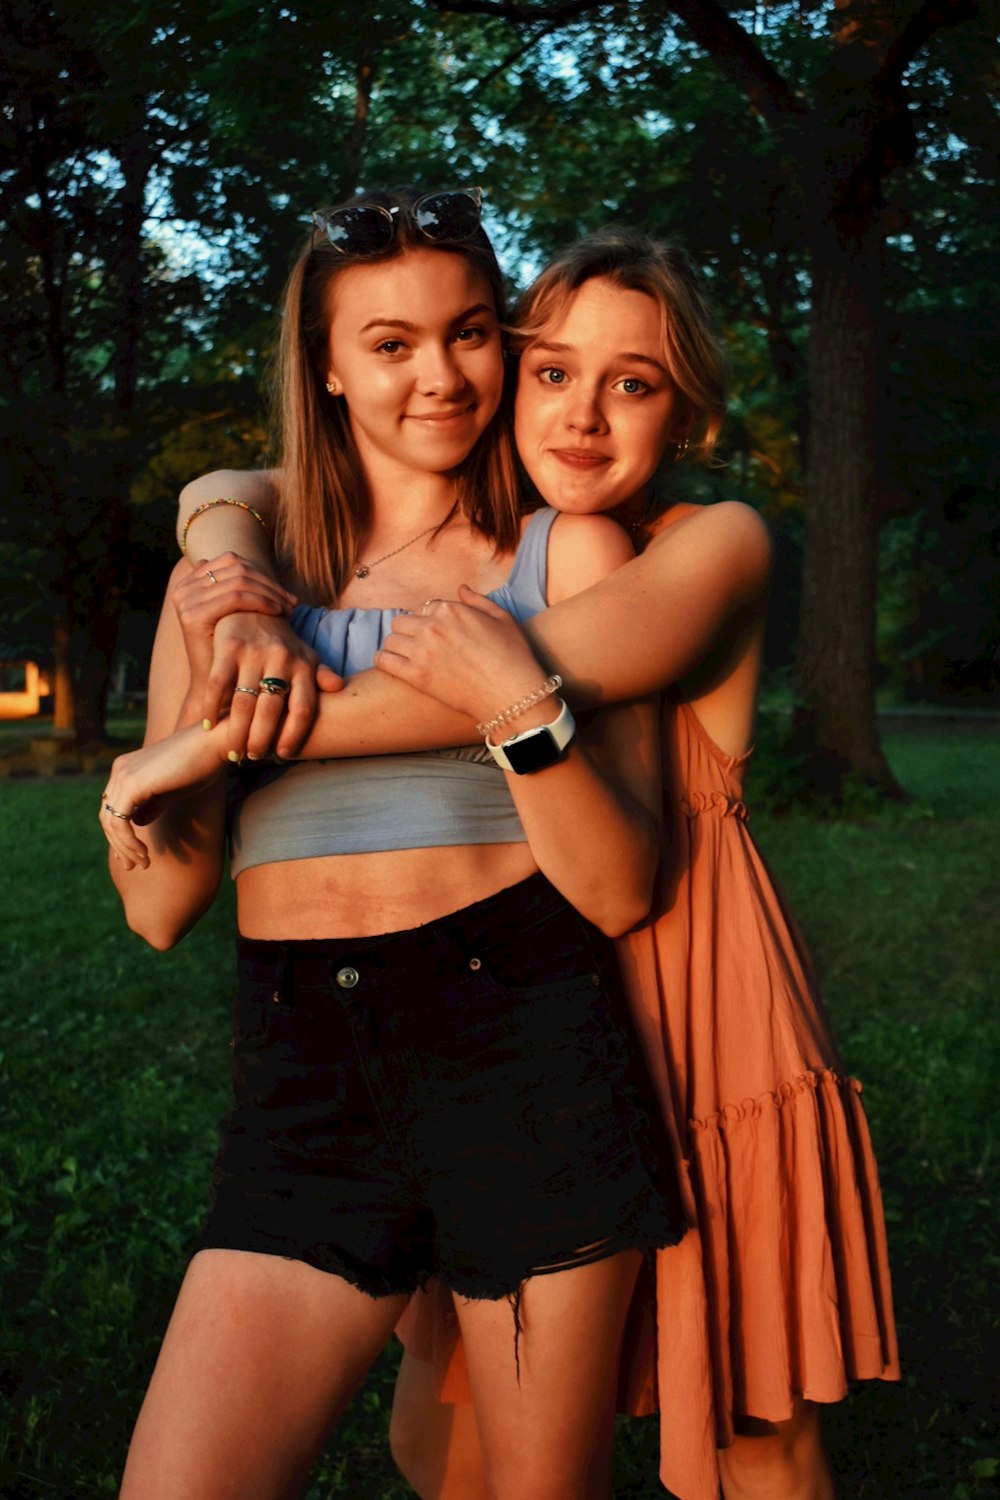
633,260
325,505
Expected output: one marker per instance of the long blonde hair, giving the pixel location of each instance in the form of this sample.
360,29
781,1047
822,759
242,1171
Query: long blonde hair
325,506
633,260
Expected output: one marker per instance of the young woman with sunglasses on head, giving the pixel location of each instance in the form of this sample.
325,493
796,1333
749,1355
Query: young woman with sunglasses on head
782,1293
431,1074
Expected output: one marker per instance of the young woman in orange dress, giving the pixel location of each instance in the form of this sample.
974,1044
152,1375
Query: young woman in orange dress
781,1295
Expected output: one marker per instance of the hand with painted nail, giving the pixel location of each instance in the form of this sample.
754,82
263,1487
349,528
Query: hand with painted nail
250,649
144,782
233,617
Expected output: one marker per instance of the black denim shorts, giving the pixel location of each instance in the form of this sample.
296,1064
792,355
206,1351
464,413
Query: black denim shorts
460,1101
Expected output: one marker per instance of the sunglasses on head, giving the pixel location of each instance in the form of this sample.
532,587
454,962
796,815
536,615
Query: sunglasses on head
367,228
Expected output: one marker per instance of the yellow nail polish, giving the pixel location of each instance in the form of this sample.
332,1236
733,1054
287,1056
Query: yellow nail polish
206,723
233,756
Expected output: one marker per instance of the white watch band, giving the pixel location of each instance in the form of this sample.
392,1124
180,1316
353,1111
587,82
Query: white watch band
556,736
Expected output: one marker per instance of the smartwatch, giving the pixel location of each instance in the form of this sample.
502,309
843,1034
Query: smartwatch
534,749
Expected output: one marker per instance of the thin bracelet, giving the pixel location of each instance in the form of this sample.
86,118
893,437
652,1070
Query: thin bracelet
200,510
550,685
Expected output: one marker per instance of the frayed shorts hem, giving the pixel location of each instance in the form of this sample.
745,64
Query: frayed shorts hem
469,1286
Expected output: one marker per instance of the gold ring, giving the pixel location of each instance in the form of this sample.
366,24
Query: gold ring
425,607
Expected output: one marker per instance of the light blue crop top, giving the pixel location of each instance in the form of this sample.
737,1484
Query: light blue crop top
413,801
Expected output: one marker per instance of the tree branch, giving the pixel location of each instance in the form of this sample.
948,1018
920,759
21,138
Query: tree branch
355,139
733,50
928,18
737,55
512,57
506,10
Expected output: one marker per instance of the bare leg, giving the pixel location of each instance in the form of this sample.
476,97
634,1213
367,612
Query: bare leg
778,1460
260,1358
547,1431
435,1445
437,1448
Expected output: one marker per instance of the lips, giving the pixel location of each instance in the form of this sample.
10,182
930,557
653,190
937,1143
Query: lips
580,458
440,417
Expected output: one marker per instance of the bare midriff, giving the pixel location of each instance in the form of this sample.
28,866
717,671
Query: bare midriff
359,895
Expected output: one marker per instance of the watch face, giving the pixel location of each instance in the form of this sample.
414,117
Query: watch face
533,753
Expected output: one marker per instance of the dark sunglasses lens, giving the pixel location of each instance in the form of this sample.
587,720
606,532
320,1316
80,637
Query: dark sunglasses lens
358,231
447,216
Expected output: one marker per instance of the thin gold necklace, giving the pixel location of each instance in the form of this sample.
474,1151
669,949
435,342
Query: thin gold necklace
362,569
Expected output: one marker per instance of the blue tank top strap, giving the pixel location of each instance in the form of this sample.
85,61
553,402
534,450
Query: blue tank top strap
346,640
525,591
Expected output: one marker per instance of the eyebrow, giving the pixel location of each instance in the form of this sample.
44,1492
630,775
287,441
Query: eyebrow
463,317
625,356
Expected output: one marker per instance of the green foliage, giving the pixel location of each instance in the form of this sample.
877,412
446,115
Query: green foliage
135,348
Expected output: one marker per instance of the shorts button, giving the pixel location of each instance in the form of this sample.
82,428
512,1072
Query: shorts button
347,978
475,963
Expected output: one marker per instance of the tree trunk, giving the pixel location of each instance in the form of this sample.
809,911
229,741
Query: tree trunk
836,659
62,688
94,570
91,648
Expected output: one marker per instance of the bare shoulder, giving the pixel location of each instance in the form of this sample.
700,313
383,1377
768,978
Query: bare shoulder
728,536
260,488
582,551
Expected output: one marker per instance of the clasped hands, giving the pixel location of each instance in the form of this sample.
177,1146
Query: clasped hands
468,653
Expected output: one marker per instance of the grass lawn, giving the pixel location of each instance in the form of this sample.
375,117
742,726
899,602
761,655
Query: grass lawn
113,1063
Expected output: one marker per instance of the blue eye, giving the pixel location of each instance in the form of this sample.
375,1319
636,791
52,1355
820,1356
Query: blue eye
552,375
633,386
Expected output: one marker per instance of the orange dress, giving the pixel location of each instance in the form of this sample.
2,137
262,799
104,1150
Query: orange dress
781,1288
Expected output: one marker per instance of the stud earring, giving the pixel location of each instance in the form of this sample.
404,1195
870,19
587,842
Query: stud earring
682,448
331,386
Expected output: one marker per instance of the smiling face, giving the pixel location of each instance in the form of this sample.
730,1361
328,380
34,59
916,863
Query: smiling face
414,348
596,406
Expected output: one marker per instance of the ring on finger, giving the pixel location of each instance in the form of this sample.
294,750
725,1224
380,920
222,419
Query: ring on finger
254,692
125,817
210,575
425,608
275,686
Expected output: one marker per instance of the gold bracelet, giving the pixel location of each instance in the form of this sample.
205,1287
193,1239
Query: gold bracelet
550,685
200,510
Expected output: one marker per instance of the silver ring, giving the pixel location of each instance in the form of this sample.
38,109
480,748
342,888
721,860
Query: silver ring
211,575
125,817
425,607
254,692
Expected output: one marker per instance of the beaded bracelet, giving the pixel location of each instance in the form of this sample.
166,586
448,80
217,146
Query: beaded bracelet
550,685
200,510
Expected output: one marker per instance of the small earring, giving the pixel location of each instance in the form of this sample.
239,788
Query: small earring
331,386
682,448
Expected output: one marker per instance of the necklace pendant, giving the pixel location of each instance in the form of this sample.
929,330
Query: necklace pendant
362,572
